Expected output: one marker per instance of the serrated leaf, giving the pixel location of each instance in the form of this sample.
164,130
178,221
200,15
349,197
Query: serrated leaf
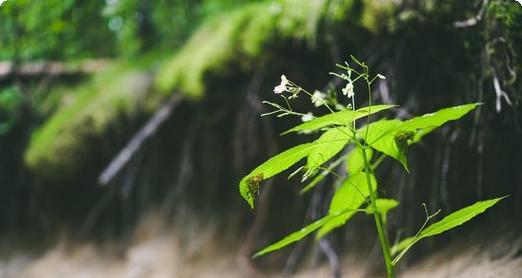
345,117
350,196
449,222
459,217
428,122
332,142
271,167
392,137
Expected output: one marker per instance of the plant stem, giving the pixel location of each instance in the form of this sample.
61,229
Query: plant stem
381,230
383,237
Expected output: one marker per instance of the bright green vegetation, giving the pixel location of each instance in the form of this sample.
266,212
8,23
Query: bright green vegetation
53,30
61,144
370,143
244,37
68,29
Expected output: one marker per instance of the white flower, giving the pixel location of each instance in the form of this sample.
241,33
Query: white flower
380,76
519,1
318,98
348,90
282,87
2,1
307,117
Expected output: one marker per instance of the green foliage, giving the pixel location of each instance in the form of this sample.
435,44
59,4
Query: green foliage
60,148
272,167
392,137
506,12
236,40
296,236
449,222
331,143
337,131
165,24
54,29
350,196
211,48
346,202
355,161
71,29
385,205
322,175
341,118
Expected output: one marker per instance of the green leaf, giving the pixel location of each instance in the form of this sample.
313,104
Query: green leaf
380,136
447,223
392,137
296,236
350,196
322,175
459,217
345,117
378,130
248,186
355,161
331,143
384,206
426,123
404,244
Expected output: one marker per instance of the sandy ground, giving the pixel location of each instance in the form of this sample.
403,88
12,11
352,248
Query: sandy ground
158,258
154,252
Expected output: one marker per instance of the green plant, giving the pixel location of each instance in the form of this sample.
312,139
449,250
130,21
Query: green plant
369,144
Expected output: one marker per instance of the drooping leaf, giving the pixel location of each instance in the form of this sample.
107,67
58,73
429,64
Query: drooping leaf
345,117
449,222
331,143
293,237
298,235
380,137
249,184
355,161
350,196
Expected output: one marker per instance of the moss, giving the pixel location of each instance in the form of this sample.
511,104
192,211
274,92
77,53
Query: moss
209,49
61,147
242,36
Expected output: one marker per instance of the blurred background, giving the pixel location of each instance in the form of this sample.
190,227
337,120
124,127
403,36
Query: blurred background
126,125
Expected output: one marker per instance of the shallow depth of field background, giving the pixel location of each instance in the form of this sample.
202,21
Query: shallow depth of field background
80,79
